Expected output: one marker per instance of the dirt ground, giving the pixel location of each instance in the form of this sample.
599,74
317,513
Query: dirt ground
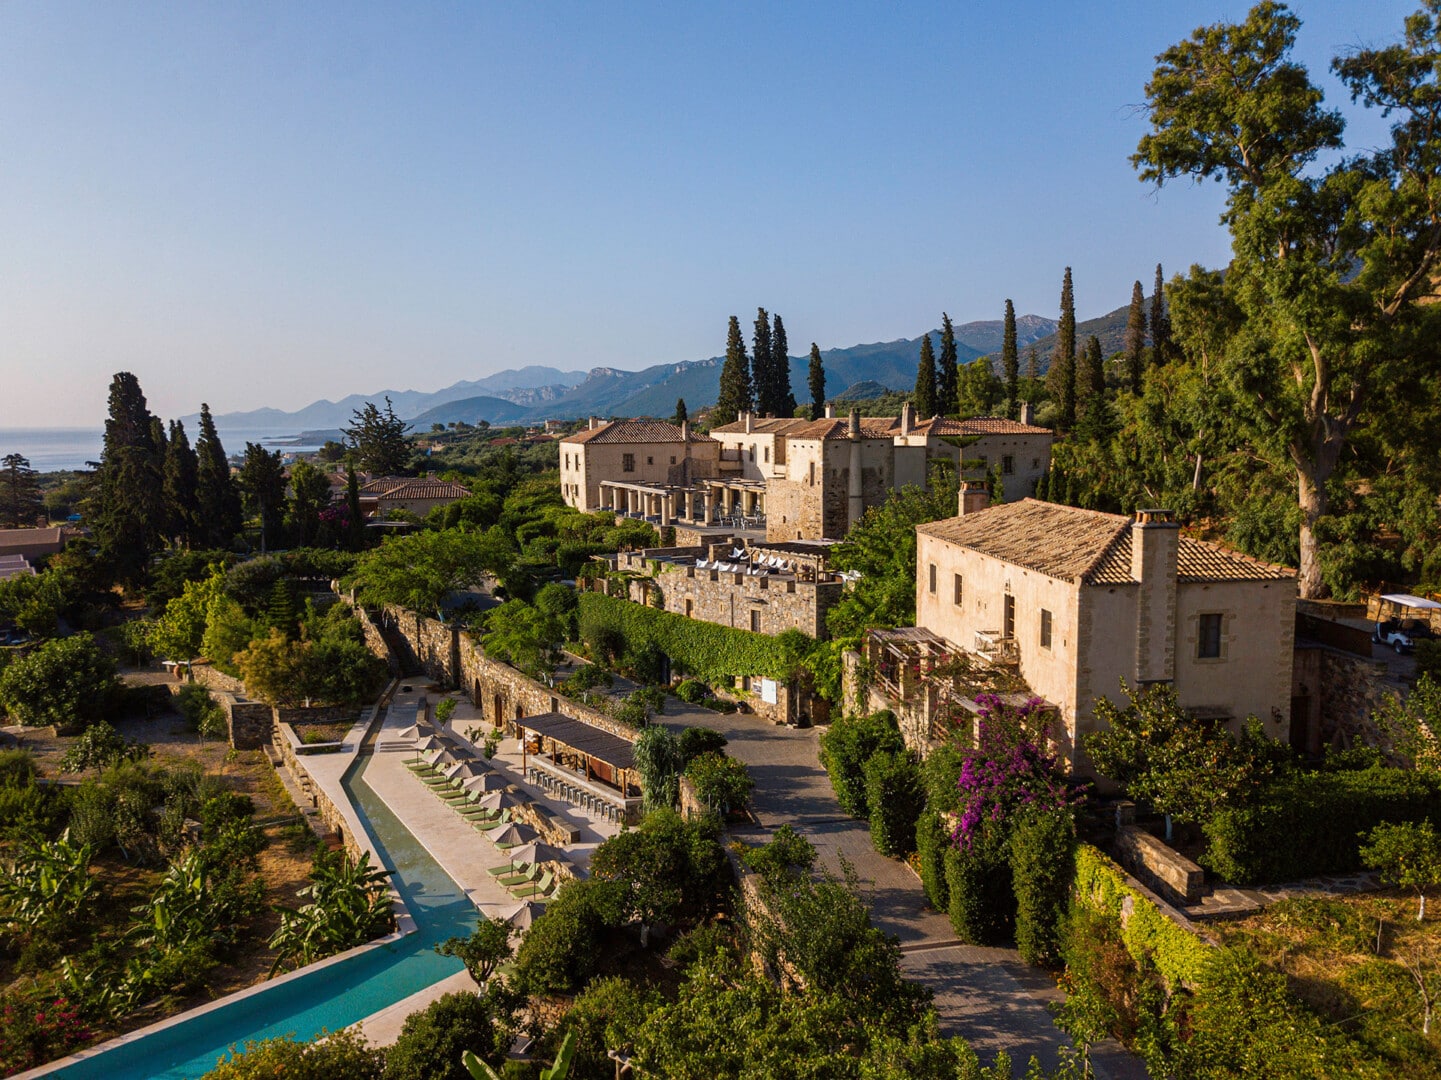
284,863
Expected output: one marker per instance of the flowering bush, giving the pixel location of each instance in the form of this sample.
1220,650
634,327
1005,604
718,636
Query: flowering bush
36,1028
1010,769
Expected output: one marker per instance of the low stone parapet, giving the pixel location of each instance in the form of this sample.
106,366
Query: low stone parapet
1162,868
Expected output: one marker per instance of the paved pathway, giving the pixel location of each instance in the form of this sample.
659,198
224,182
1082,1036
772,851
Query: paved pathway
988,996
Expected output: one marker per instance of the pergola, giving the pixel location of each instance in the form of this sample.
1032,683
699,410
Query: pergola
598,756
706,502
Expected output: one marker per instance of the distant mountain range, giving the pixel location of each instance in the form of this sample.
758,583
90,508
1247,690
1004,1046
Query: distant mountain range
531,394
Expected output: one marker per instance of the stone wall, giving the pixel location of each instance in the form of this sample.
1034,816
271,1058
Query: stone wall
248,723
1165,870
203,672
375,640
1352,689
300,715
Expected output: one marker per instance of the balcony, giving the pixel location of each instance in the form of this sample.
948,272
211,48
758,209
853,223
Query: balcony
996,648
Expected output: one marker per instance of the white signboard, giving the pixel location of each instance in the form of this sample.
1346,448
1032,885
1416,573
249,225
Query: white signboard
768,691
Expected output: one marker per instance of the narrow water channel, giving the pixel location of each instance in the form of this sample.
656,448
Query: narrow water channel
325,1000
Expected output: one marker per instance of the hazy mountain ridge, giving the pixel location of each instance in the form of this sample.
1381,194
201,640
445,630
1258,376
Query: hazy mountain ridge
535,393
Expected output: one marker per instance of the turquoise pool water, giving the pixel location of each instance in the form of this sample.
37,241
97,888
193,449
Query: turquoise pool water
331,998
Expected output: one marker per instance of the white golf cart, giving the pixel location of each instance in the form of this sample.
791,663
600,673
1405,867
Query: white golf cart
1404,620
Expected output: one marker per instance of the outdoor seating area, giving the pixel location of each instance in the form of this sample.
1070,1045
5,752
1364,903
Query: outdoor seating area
582,765
472,787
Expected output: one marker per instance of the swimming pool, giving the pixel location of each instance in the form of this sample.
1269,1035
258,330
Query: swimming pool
329,997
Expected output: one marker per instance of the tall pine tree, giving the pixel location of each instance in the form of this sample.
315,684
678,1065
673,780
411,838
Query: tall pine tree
181,480
1010,361
946,373
734,396
130,513
217,502
1136,339
262,479
682,414
378,439
816,380
925,395
1062,376
1162,346
785,400
20,501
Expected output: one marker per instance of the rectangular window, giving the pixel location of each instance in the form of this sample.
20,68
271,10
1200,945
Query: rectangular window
688,607
1208,638
755,620
1008,464
812,480
1008,628
650,461
932,578
672,459
627,463
753,451
1045,629
957,585
767,453
567,461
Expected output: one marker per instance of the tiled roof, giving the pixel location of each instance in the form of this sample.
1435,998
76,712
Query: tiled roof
634,431
774,425
400,487
1085,545
885,427
978,425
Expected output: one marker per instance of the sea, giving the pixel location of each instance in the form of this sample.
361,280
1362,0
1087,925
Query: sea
55,448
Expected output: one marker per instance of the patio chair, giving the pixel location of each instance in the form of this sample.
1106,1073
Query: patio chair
544,887
506,869
486,825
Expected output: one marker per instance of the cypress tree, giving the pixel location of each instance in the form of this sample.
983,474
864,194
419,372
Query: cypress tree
217,503
946,374
1033,364
763,377
181,484
781,370
734,397
1136,338
1162,346
354,520
681,413
1063,359
816,378
130,517
1011,361
925,395
20,500
1095,368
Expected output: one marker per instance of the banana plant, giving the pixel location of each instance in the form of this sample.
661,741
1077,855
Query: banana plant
48,883
558,1071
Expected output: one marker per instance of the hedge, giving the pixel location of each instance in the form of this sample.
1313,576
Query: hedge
1310,823
1043,855
932,843
982,904
1178,955
846,747
714,653
896,799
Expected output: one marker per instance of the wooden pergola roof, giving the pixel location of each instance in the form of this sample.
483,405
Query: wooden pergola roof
582,738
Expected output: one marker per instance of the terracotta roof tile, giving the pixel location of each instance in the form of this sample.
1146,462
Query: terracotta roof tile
393,487
775,425
634,431
1086,545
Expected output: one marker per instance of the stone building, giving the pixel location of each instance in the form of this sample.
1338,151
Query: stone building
821,476
638,462
762,587
1074,601
418,496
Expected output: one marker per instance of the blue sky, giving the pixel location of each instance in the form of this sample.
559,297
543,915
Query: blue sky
263,204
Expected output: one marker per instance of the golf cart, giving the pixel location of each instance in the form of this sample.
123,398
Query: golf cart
1404,621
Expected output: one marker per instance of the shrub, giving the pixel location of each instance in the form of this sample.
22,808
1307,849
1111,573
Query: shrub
1043,865
1309,823
692,691
658,760
68,682
17,768
694,741
982,905
602,1018
896,798
342,1056
36,1028
786,854
845,749
940,772
1428,659
431,1041
721,783
932,843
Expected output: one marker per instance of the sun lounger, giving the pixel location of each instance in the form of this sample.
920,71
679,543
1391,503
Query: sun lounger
542,887
506,869
520,878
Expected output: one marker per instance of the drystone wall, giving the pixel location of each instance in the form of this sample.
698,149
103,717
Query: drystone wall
213,679
1352,690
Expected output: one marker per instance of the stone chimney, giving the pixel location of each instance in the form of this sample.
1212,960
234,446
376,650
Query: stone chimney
830,412
594,422
1028,413
975,496
853,428
1155,543
750,421
908,418
685,431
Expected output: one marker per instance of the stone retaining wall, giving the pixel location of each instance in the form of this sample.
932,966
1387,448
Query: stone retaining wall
1163,869
1353,688
375,640
208,676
